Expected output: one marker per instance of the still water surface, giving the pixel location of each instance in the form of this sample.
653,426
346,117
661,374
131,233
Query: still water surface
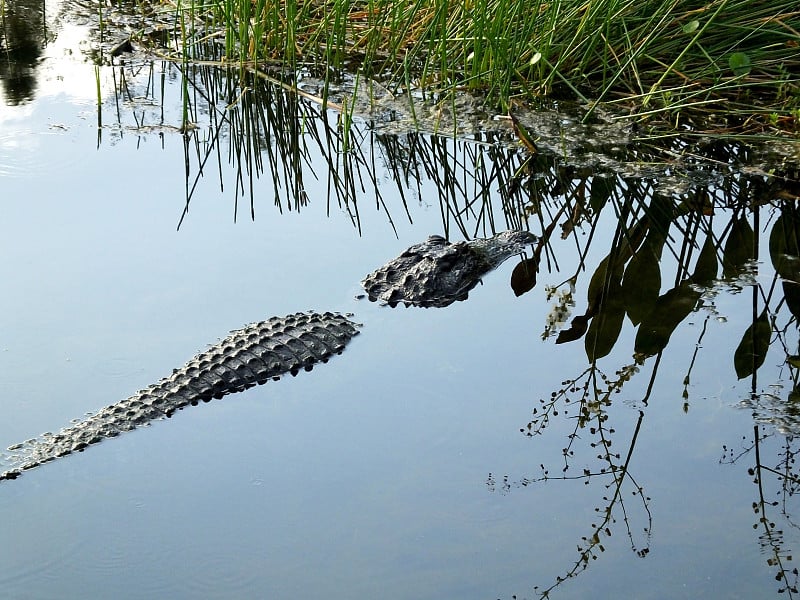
398,470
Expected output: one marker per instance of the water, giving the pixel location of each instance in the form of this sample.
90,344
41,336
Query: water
398,470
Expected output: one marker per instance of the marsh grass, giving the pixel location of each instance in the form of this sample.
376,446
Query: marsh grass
650,56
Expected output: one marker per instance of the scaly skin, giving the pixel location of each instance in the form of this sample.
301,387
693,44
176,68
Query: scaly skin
247,357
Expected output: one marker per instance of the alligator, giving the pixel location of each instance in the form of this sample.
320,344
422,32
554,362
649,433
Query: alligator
433,273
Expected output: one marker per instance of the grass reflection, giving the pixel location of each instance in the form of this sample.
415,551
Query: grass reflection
658,235
267,131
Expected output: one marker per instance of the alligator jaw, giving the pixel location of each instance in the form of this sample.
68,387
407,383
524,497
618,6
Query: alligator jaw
502,246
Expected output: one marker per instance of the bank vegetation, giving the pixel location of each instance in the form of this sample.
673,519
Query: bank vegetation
739,58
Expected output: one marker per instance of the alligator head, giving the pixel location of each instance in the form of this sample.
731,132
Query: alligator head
436,273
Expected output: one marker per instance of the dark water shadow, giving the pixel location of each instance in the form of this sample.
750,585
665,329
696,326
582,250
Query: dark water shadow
23,37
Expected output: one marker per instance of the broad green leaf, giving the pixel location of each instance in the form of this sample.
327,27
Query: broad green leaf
705,271
661,212
523,277
605,303
669,311
691,26
791,293
739,63
739,248
577,328
641,284
600,192
784,249
632,239
600,279
752,350
607,323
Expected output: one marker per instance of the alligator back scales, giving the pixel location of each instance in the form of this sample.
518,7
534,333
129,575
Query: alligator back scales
247,357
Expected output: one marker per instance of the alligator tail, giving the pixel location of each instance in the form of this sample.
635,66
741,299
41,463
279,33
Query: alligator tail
245,358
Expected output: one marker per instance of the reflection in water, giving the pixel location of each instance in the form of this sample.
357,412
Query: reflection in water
682,234
266,131
23,36
697,246
612,469
780,474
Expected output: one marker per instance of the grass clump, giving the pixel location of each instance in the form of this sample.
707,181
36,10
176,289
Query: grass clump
654,55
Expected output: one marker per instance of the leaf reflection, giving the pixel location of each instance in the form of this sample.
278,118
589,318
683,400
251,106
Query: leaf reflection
661,265
752,350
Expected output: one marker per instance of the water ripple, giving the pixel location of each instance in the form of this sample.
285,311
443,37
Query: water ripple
24,152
